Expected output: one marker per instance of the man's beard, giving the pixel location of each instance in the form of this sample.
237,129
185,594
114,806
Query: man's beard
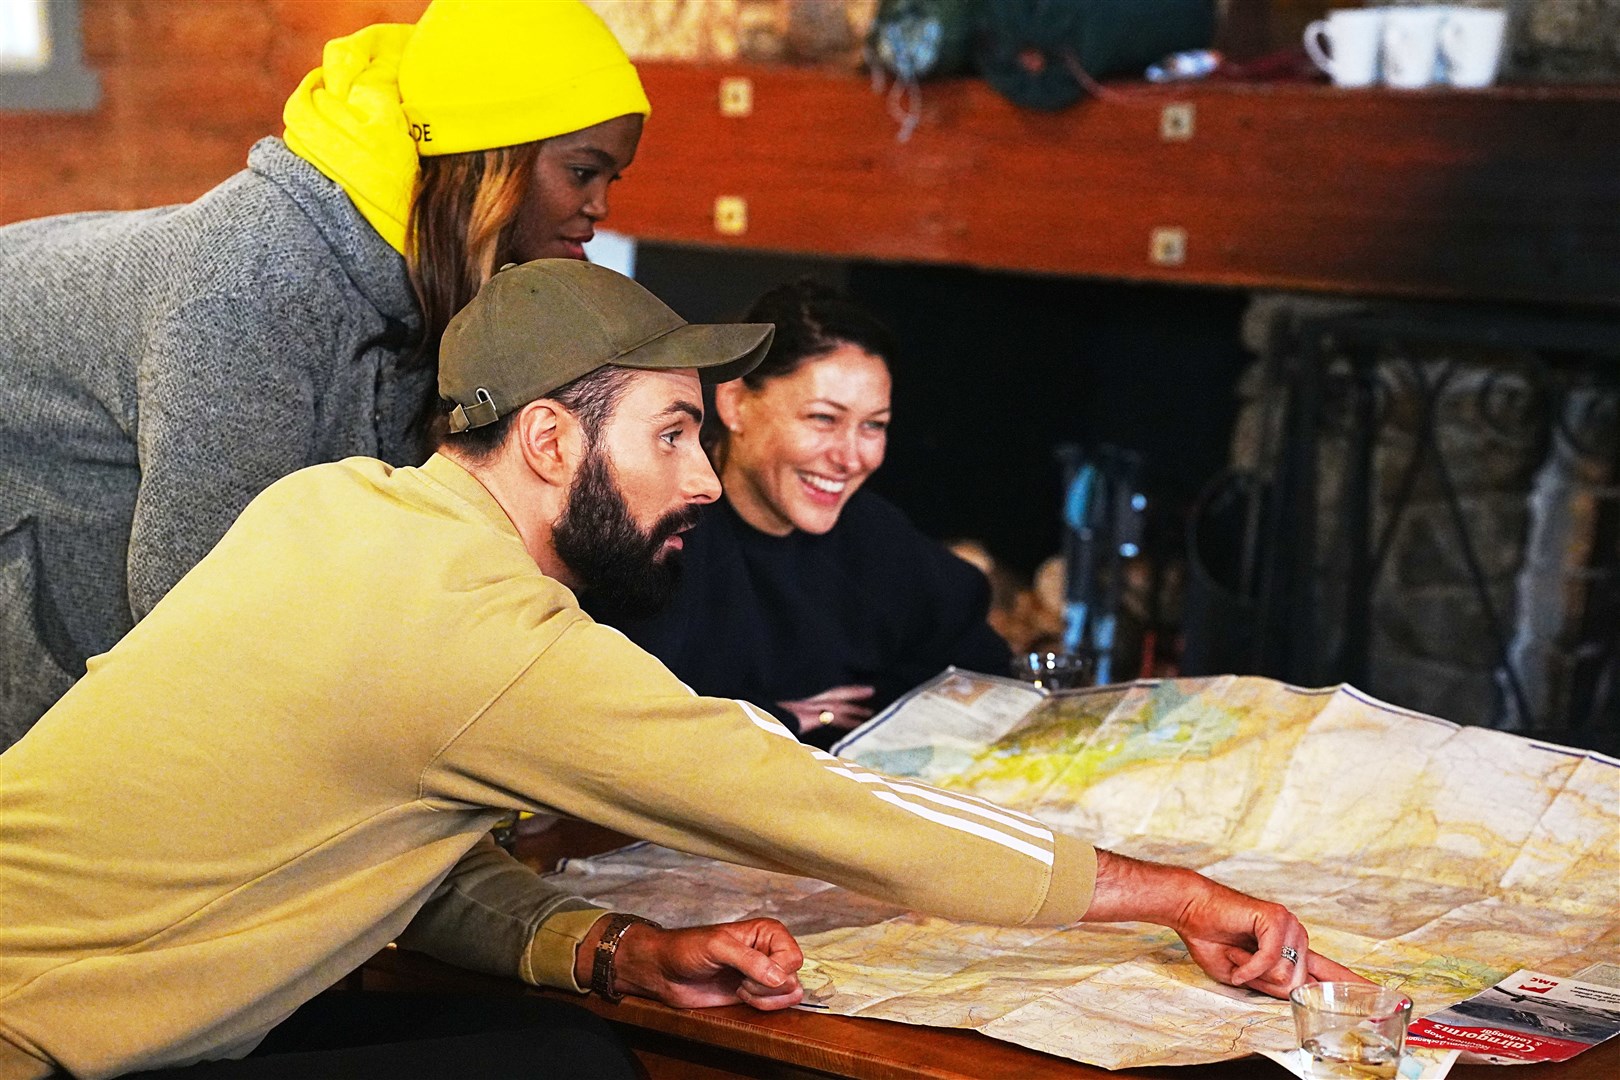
608,553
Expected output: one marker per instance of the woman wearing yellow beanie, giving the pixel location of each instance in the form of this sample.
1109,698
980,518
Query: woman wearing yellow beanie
164,366
486,133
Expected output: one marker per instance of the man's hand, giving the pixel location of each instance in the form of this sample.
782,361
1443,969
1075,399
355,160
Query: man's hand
1235,938
755,962
840,707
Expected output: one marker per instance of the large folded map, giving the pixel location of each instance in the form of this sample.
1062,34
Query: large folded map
1430,857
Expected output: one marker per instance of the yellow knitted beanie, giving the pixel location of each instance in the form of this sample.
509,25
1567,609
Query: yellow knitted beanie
478,74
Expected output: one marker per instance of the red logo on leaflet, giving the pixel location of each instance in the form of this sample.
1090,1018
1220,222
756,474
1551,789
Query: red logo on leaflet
1538,986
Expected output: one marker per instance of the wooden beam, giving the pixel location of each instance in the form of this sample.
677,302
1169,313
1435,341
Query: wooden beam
1505,194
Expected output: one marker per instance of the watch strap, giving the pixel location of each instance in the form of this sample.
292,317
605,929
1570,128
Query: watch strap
607,949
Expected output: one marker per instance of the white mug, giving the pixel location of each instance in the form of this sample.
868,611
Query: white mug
1471,45
1351,37
1412,45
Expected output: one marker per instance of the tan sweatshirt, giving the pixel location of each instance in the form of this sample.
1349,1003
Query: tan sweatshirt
296,758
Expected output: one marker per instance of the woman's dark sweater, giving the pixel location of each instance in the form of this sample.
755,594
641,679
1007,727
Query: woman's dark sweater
873,602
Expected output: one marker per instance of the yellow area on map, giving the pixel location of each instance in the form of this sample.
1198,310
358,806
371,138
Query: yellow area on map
1429,857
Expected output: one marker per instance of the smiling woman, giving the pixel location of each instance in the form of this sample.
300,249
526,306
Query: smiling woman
799,445
798,588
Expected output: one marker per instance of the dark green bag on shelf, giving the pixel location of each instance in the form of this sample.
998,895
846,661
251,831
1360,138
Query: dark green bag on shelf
1042,54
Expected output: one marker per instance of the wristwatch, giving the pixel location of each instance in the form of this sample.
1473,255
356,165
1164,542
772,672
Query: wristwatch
607,949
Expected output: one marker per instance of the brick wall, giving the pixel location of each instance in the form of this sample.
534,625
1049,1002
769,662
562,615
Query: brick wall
186,88
189,85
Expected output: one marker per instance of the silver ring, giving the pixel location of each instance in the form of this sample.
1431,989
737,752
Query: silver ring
1290,955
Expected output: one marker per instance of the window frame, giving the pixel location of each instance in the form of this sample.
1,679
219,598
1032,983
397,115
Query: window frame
64,84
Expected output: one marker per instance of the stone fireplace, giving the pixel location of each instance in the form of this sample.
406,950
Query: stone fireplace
1459,508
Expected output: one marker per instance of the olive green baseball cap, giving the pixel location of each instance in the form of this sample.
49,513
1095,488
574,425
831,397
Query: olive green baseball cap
540,325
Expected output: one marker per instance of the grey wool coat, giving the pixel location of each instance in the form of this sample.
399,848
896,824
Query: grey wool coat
158,369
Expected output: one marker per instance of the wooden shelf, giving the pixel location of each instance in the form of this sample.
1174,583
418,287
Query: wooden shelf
1505,194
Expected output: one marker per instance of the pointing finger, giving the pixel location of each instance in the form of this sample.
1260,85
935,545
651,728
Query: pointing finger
1324,970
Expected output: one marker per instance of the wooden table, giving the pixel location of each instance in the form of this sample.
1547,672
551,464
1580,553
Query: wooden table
699,1044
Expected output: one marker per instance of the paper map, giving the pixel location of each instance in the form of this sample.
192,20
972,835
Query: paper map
1429,857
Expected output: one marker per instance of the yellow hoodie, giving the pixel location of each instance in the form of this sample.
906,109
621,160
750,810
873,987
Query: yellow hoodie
346,119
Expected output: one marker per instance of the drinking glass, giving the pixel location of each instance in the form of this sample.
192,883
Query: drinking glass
1350,1030
1055,670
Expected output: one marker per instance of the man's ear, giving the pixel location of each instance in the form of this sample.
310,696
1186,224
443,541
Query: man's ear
550,440
728,399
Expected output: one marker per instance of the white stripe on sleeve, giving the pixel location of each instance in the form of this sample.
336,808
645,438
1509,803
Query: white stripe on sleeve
762,720
962,825
855,772
985,803
1028,826
992,812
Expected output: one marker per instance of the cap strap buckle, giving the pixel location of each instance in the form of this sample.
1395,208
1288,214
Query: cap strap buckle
478,414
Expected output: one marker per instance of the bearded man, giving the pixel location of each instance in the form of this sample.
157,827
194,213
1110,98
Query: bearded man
376,664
